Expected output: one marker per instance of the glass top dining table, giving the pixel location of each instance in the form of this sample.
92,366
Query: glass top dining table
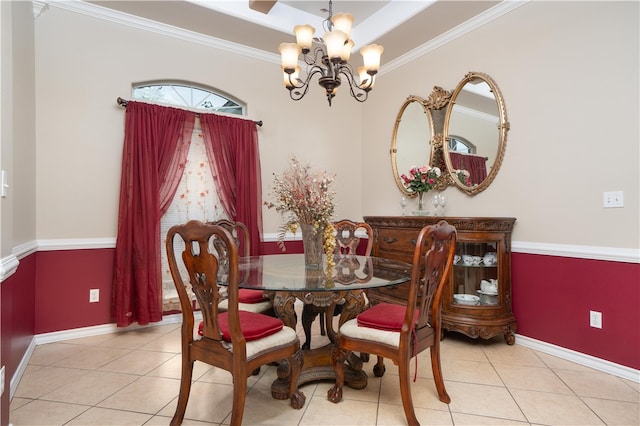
287,272
285,279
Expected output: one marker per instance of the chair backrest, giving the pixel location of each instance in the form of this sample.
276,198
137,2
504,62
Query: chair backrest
240,234
346,240
432,262
209,254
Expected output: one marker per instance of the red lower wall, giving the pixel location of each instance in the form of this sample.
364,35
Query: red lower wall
552,297
63,281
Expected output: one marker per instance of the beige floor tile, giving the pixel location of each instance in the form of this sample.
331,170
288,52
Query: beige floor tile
52,353
145,395
320,411
598,385
518,355
172,369
531,378
615,412
92,358
423,392
483,400
45,380
555,363
169,342
17,402
104,417
634,385
461,419
261,408
459,346
208,402
553,409
389,414
90,388
460,370
370,393
45,413
164,421
133,339
92,340
137,362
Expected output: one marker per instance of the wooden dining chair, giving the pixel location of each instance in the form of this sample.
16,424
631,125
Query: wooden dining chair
347,242
401,332
236,341
248,299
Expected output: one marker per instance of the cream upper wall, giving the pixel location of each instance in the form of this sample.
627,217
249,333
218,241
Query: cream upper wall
569,74
83,64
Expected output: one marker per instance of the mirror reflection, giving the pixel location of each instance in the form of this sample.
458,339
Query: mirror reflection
411,136
475,133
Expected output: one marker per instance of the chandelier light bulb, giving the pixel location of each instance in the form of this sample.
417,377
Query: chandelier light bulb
304,36
371,57
348,46
335,41
342,22
289,53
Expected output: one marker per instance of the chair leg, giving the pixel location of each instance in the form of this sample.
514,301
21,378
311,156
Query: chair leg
437,373
185,389
405,391
239,396
295,366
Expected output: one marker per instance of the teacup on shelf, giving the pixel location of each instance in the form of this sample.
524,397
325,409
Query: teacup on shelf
489,259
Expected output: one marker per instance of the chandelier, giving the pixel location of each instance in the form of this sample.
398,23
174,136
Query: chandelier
329,59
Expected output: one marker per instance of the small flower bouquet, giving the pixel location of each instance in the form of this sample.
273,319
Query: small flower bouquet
463,176
304,197
421,179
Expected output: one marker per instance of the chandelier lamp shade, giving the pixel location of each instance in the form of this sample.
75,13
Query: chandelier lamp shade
328,57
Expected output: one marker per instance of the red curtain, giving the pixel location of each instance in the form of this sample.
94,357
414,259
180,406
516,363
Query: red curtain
232,149
156,145
474,164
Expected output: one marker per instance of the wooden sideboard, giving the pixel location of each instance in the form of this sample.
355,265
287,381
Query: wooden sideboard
466,308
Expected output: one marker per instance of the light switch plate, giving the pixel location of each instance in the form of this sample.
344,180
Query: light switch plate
613,199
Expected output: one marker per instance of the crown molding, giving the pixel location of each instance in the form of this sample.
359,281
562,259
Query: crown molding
478,21
144,24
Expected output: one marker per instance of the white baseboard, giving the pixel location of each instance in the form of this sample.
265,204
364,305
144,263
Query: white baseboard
580,358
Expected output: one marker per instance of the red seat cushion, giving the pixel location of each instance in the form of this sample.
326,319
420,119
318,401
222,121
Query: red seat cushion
384,316
254,326
247,295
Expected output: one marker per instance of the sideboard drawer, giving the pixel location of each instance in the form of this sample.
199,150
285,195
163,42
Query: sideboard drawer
397,240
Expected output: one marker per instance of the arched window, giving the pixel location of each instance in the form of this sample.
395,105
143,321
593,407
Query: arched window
196,197
191,96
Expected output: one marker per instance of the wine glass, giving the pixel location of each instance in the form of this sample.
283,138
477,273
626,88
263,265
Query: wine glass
403,204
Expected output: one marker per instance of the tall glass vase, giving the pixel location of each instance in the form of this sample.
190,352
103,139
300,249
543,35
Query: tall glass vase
420,205
312,241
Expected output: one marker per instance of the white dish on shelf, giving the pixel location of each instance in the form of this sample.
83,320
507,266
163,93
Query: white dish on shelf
420,213
488,293
466,299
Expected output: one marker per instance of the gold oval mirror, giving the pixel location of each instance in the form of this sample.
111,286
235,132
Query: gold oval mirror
475,133
410,145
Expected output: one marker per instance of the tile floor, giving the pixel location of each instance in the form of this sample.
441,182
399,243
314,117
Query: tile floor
132,378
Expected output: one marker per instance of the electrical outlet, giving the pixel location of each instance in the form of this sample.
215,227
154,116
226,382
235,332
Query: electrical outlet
613,199
94,295
595,319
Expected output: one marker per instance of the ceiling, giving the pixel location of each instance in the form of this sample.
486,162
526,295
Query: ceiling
399,25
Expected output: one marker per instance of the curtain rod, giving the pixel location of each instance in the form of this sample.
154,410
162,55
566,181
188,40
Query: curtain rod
123,103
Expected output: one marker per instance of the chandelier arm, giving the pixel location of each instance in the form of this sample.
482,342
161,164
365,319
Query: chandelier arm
359,93
297,95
